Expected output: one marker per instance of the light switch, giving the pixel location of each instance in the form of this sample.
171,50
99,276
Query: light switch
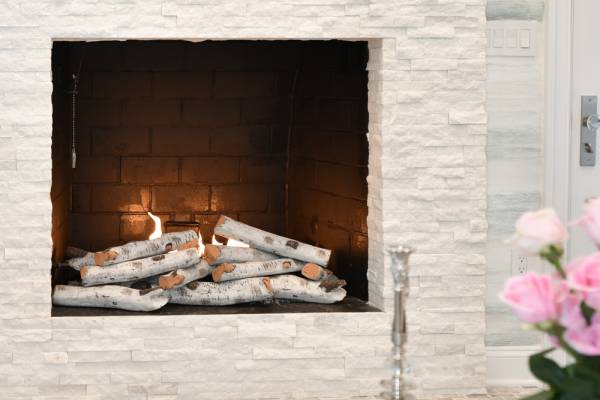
511,38
524,39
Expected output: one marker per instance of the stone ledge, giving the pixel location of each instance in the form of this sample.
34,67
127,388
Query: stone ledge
348,305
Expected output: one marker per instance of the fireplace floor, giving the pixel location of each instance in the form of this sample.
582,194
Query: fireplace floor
349,304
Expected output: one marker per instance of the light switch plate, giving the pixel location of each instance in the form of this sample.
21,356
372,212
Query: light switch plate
512,38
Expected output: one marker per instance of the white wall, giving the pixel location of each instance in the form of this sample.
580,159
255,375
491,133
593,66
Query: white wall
514,150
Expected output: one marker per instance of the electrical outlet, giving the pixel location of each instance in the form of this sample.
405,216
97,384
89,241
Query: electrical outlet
520,264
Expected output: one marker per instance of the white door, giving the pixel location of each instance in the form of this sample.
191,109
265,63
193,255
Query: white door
584,180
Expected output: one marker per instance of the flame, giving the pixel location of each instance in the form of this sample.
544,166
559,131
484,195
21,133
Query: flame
200,243
157,227
230,242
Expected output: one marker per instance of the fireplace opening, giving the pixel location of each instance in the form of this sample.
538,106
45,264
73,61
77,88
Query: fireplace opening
270,133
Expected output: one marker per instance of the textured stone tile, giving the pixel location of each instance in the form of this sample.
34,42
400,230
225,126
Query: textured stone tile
429,71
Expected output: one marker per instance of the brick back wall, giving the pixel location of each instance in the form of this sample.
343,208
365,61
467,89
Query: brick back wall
185,130
61,152
329,158
190,131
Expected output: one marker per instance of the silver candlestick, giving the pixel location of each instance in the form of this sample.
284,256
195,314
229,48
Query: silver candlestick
395,387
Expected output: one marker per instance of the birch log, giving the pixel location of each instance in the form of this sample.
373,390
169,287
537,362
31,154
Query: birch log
230,272
271,243
223,294
139,269
215,255
142,249
183,276
314,272
110,296
331,282
87,258
291,287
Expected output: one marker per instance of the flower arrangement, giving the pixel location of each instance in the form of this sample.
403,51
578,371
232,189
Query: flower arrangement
565,304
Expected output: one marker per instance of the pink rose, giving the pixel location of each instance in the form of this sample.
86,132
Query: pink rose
538,230
586,340
583,273
570,315
590,220
532,297
592,299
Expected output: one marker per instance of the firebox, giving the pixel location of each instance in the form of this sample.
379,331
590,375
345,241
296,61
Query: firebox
271,133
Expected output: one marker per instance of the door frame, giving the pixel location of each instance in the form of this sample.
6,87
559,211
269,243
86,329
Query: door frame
558,114
557,120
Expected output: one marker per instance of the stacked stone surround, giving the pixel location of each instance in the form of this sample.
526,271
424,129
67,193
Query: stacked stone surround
427,180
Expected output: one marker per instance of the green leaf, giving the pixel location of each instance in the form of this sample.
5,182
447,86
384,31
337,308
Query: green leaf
545,395
547,370
571,383
588,377
588,312
591,362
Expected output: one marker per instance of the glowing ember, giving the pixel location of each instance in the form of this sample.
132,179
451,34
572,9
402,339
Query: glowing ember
157,227
230,242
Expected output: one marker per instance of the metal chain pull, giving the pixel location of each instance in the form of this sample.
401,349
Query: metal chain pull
74,125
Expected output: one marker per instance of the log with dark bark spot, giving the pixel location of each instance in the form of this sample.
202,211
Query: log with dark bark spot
270,242
228,272
331,282
139,269
222,294
291,287
136,250
183,276
215,255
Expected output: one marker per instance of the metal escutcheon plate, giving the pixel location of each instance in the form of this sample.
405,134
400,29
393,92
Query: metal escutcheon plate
587,142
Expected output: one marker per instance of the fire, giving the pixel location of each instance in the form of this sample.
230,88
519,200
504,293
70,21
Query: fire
157,227
230,242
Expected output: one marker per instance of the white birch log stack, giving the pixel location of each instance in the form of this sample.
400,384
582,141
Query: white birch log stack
141,249
215,255
110,296
223,294
112,278
139,269
183,276
291,287
271,243
229,272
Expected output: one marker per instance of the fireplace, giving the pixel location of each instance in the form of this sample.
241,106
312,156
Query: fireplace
426,188
271,133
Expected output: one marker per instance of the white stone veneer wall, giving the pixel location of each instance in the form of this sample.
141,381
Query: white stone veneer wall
427,187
